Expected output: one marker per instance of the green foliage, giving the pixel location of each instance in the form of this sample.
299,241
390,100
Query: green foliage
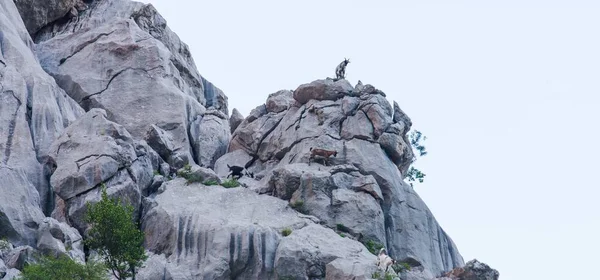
373,246
342,235
4,244
377,275
115,236
156,173
286,231
299,206
231,183
413,173
189,176
399,267
211,183
63,268
415,138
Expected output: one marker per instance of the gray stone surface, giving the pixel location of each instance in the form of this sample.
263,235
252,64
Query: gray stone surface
56,239
33,112
19,257
322,90
209,232
120,56
12,274
279,101
95,151
369,135
473,270
306,252
37,14
3,269
235,120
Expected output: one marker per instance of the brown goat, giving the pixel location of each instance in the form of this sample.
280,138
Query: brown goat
322,153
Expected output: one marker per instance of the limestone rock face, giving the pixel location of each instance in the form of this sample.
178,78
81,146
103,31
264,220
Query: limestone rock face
57,239
94,151
33,112
37,14
361,189
120,56
209,232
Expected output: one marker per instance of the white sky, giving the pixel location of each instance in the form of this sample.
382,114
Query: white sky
507,94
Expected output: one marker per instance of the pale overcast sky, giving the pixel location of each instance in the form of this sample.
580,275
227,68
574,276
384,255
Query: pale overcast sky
507,94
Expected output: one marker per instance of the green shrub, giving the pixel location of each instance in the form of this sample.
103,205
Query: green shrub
4,244
286,231
299,206
373,246
63,268
115,236
413,173
156,173
189,176
342,235
399,267
231,183
211,183
377,275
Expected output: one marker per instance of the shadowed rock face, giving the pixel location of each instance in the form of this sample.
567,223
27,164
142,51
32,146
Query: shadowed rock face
373,152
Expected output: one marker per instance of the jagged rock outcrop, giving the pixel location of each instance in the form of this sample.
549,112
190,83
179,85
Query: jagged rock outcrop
120,56
473,270
235,120
370,137
33,112
209,232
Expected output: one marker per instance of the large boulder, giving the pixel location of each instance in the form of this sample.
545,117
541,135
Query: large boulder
307,253
33,112
96,152
235,120
58,239
120,56
322,90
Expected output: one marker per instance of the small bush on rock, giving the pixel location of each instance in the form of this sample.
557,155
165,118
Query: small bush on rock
115,236
399,267
286,231
211,183
231,183
63,268
299,206
373,246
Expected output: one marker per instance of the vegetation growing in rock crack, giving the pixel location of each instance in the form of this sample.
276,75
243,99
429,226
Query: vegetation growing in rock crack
387,276
115,236
63,268
414,174
399,267
286,231
4,244
299,206
373,246
189,176
231,183
211,183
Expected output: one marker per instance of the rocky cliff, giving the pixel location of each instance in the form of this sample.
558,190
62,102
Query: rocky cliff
102,92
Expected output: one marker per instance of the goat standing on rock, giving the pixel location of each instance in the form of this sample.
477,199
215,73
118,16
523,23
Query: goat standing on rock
322,153
340,70
384,261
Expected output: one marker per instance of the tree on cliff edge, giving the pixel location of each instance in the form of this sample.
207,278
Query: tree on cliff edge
115,236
